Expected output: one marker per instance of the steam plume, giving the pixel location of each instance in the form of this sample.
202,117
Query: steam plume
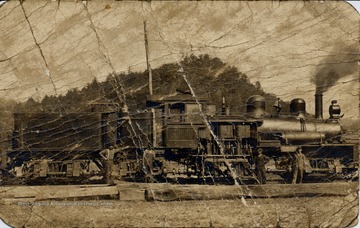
342,62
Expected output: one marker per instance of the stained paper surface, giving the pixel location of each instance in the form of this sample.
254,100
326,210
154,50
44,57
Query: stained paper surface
76,98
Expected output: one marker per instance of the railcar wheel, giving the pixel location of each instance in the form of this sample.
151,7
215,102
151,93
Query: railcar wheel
188,174
164,172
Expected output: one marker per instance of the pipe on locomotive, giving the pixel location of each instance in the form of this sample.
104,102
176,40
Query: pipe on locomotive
225,109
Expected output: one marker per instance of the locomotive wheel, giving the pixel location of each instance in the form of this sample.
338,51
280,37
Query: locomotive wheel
164,172
188,174
149,179
201,174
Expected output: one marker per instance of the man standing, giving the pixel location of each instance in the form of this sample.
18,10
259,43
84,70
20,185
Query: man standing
149,157
260,161
298,166
148,162
108,159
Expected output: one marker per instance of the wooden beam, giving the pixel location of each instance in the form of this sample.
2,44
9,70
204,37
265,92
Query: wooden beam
206,192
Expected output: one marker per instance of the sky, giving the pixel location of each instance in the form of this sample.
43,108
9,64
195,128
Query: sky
288,46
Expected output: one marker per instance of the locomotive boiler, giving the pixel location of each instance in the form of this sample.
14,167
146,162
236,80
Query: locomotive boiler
295,128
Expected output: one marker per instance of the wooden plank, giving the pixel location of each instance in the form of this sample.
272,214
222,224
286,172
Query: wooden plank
57,192
79,192
169,192
132,195
173,193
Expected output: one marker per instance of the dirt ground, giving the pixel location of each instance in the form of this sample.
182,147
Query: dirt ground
278,212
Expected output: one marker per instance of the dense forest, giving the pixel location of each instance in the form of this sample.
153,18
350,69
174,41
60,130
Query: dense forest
207,76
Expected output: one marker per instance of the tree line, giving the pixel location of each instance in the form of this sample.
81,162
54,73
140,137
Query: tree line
206,75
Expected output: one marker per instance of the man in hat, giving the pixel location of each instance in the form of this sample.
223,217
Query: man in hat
298,166
260,161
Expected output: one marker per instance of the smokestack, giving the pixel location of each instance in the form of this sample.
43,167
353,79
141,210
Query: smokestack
318,105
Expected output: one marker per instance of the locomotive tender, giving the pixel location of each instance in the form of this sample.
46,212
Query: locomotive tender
182,135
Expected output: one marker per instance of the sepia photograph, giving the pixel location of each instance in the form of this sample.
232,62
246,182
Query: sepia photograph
179,113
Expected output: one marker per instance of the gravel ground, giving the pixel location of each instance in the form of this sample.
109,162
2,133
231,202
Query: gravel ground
280,212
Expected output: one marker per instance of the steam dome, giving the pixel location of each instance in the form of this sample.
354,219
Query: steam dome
255,106
297,107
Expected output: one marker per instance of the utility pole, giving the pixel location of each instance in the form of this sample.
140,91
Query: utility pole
147,60
153,126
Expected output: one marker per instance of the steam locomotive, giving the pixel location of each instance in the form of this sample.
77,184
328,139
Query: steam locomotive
178,135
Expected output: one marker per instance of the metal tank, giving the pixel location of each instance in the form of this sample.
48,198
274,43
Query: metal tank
298,107
255,106
329,129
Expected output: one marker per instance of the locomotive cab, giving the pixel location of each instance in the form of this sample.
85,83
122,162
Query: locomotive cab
179,120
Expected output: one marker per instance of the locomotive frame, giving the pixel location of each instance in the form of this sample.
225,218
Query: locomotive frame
182,136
